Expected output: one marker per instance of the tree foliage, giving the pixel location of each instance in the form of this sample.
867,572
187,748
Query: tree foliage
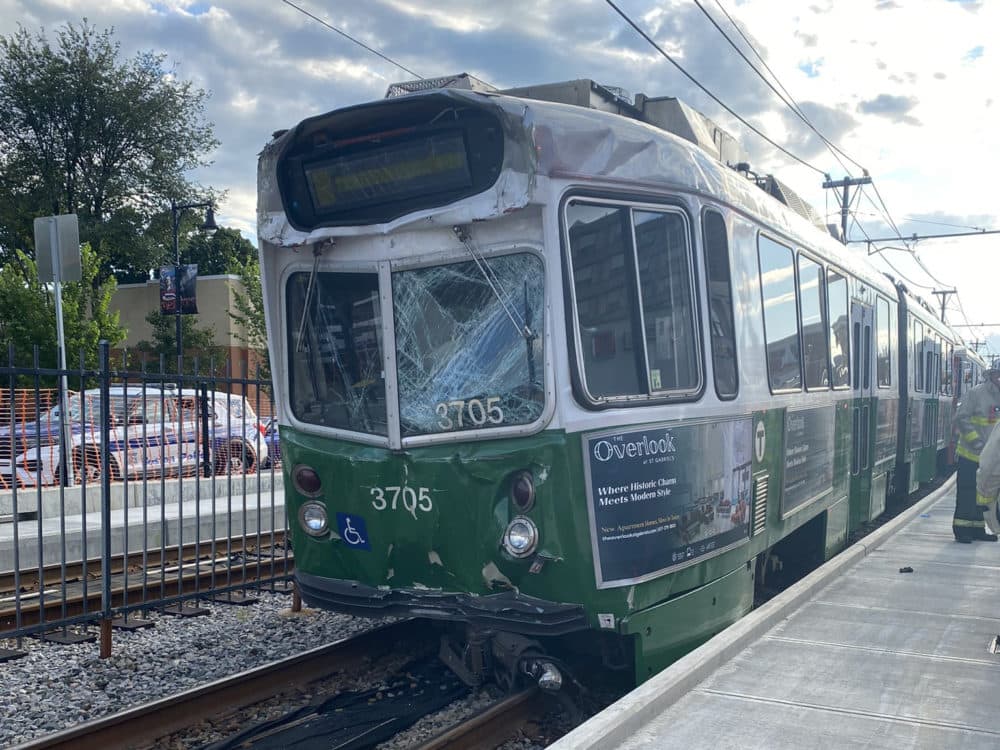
28,316
249,315
201,355
84,131
226,251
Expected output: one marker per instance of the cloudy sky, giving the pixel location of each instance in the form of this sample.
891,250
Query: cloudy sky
904,88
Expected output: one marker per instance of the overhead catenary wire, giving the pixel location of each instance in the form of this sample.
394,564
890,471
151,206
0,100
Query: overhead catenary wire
714,98
344,34
786,98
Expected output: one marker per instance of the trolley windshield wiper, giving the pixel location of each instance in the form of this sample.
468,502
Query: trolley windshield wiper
520,325
310,287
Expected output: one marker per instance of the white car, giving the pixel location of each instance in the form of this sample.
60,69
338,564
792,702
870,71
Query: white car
153,431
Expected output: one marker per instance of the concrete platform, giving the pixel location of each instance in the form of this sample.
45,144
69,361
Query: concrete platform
856,655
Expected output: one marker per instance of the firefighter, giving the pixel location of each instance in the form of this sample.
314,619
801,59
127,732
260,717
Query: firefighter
988,481
974,419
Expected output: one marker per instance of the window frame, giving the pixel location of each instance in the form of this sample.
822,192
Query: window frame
574,340
831,340
881,301
824,314
714,211
797,315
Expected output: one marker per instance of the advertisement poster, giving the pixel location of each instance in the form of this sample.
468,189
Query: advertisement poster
663,497
177,288
808,456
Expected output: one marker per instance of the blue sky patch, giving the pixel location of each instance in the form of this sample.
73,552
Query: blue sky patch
811,68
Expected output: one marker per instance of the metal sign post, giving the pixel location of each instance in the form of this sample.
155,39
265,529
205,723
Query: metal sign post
57,254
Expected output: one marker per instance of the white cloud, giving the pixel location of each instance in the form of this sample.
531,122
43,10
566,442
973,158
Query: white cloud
905,88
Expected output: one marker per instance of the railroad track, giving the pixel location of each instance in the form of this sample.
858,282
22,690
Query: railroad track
145,725
219,708
159,575
31,579
494,726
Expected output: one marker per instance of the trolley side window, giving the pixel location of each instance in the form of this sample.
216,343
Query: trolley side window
781,325
469,344
633,289
946,368
883,352
840,349
336,376
815,352
720,305
918,356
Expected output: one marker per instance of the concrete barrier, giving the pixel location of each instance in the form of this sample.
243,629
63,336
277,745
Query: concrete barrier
76,538
67,501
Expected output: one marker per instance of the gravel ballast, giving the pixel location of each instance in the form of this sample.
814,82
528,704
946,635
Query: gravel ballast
56,687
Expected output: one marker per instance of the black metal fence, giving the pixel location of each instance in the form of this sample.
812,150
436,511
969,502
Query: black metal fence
142,489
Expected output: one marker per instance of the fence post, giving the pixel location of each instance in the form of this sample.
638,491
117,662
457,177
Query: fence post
104,375
206,448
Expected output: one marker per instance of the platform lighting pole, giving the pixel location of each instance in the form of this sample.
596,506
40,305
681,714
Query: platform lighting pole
209,227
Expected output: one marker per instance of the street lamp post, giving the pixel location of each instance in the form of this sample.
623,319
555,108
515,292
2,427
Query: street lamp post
210,227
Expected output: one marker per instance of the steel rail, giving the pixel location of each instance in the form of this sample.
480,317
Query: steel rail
494,726
142,725
53,574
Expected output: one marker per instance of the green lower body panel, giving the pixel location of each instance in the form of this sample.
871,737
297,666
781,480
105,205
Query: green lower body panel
878,495
665,632
836,527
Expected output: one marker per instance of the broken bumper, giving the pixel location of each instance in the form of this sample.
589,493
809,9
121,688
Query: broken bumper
507,610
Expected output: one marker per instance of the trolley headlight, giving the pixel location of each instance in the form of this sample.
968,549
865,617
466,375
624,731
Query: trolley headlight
521,537
313,517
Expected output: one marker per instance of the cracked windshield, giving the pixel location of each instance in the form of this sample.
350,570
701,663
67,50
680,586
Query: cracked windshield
335,367
469,344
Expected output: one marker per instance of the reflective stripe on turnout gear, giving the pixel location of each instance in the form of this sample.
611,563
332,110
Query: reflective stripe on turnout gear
964,452
964,524
975,417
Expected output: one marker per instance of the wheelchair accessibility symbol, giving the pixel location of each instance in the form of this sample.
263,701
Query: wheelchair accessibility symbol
353,531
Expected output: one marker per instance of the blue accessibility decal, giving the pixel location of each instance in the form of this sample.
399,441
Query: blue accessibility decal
353,531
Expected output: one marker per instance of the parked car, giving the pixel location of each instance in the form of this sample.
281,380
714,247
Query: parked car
153,431
271,438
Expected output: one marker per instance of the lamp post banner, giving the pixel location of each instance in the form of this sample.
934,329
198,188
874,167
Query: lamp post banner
178,286
187,282
168,290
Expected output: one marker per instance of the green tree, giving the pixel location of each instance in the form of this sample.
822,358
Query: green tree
28,318
249,314
226,251
201,354
84,131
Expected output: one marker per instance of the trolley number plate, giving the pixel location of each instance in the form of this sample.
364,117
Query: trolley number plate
410,499
475,411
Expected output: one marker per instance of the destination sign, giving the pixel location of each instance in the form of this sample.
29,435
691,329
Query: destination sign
428,164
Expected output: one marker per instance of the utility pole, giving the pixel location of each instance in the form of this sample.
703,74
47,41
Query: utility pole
944,298
846,184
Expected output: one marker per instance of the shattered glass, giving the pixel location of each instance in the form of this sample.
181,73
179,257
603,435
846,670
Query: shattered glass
469,344
335,359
